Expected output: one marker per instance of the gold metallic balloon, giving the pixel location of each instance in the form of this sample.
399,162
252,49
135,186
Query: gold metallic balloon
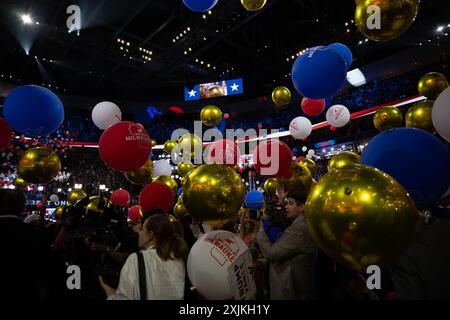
38,165
184,168
432,84
281,96
58,212
191,144
393,18
253,5
169,145
19,183
180,210
343,159
213,194
387,118
153,143
141,176
419,116
361,216
180,198
310,164
271,186
301,180
211,116
97,205
75,196
168,181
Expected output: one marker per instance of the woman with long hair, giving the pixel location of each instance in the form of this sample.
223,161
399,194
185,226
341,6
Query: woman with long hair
161,273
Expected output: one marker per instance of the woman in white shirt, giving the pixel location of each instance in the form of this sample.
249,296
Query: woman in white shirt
164,254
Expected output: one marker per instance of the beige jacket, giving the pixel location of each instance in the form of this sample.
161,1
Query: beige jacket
291,261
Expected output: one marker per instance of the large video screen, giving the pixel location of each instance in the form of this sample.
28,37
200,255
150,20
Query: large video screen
214,90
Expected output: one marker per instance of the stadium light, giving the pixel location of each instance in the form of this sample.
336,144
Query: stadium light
26,19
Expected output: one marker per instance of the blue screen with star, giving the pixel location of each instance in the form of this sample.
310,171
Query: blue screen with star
214,89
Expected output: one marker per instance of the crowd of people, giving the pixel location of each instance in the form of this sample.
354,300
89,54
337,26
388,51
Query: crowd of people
125,260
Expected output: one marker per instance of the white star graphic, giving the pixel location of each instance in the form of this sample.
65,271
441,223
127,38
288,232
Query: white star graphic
234,87
192,93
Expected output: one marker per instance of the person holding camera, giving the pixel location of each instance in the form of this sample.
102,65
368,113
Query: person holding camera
292,257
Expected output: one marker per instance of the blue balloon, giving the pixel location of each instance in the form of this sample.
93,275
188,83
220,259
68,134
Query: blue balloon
415,158
180,191
295,150
344,51
319,73
200,5
254,200
33,111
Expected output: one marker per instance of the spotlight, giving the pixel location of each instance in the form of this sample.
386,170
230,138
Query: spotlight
26,19
440,28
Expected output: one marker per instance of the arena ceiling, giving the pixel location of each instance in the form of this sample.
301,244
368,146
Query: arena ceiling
148,50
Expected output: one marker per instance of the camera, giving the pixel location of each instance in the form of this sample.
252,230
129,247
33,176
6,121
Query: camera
276,216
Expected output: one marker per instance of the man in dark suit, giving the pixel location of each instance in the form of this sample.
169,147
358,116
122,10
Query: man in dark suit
22,250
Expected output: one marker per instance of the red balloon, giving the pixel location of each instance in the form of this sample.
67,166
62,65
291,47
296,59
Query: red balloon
273,158
120,198
313,107
125,146
156,195
333,128
224,152
135,213
226,116
5,134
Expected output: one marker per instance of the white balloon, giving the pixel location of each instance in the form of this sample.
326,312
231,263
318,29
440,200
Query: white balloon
106,114
338,116
54,198
311,152
309,156
294,158
300,128
441,114
209,260
162,168
304,149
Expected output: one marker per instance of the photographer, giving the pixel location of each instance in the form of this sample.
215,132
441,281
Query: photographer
292,257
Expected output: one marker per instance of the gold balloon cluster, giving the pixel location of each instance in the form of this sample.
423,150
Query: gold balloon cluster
271,186
168,181
393,18
310,164
184,168
432,84
361,216
301,180
153,143
213,194
420,116
169,145
19,183
281,96
343,159
141,176
387,118
76,196
38,165
253,5
211,116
